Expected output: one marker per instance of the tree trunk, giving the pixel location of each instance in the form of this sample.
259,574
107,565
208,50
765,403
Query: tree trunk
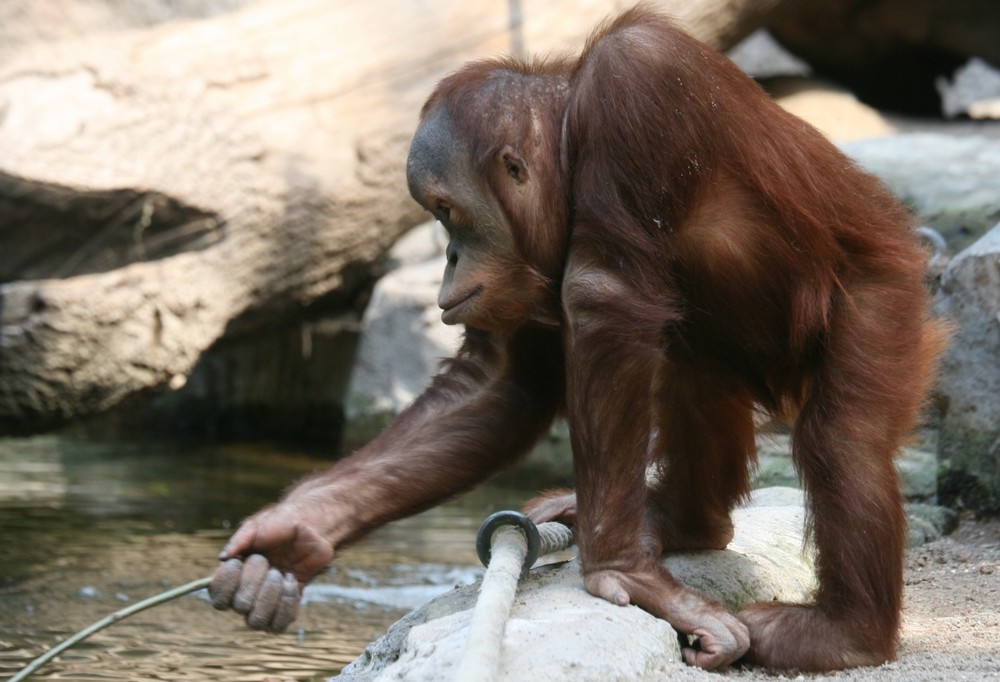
158,184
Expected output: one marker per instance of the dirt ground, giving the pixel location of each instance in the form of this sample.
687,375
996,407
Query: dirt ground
951,618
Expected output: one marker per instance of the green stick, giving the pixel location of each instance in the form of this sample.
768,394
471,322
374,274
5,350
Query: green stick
155,600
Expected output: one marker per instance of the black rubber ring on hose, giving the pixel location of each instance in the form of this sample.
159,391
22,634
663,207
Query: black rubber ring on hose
484,538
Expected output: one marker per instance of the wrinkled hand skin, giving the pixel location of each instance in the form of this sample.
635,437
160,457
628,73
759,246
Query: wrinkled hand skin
721,637
265,565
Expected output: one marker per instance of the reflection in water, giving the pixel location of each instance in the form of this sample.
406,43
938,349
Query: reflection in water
86,529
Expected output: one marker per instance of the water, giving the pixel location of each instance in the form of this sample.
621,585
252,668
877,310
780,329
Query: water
86,529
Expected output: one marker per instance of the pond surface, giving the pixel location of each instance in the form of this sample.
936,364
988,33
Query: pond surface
86,529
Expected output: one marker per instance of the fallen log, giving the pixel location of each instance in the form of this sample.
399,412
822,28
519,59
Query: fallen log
163,186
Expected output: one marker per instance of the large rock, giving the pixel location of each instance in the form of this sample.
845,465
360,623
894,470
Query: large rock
557,631
969,382
950,182
402,337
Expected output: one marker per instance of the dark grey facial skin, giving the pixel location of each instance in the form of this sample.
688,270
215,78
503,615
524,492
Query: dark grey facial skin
443,179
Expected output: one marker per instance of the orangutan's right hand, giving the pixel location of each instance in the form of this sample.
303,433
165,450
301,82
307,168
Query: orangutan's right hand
265,565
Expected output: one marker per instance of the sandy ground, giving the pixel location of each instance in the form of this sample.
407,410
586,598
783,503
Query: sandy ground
951,626
951,618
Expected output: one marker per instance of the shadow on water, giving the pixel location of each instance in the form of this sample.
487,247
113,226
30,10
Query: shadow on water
86,529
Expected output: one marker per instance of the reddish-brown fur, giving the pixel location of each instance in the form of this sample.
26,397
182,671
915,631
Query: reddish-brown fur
667,251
